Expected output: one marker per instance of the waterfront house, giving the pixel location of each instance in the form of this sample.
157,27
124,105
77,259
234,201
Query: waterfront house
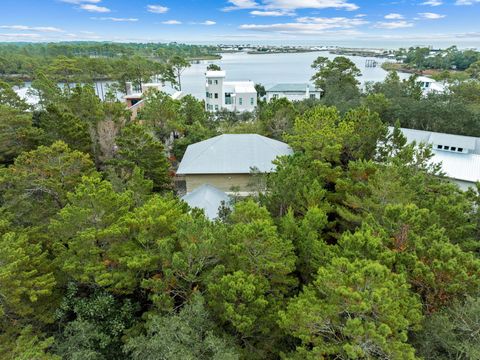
226,161
238,96
136,100
458,155
294,92
430,85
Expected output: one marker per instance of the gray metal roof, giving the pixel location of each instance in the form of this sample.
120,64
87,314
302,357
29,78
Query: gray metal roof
208,198
429,137
293,88
232,154
464,166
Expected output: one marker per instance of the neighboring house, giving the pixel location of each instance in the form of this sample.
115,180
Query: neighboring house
226,161
430,85
229,95
209,199
135,101
459,155
294,92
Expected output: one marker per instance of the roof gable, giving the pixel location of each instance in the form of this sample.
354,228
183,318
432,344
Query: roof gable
232,154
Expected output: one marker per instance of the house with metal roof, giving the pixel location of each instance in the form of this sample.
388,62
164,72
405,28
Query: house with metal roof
229,161
209,199
458,155
238,96
294,92
430,85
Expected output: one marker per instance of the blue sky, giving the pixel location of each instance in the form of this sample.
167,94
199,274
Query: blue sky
359,22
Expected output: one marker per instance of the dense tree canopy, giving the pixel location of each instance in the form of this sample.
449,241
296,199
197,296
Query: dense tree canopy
356,247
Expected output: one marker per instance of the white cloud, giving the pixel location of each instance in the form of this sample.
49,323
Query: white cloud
290,5
432,3
94,8
32,28
115,19
272,13
431,16
19,36
171,22
393,24
310,4
208,23
308,25
394,16
467,2
81,1
157,9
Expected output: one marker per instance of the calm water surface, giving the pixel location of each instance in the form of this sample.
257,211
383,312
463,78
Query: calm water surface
265,69
270,69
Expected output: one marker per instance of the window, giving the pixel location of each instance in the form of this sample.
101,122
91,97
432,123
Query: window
228,99
439,147
207,95
216,82
312,96
216,107
453,148
209,82
446,148
275,96
252,101
240,101
216,95
460,149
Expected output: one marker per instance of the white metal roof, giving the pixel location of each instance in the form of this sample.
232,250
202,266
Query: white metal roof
216,74
429,137
208,198
232,154
457,165
241,87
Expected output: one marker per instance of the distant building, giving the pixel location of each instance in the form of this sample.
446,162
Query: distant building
430,85
227,161
294,92
459,155
229,95
209,199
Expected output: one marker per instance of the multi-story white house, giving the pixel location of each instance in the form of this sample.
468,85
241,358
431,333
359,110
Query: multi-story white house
430,85
230,95
294,92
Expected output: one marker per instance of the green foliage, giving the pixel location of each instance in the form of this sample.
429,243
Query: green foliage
60,124
26,345
35,187
17,134
86,228
353,310
26,278
190,334
8,97
452,333
137,147
99,322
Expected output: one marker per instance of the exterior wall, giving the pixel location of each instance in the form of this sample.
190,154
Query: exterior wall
292,96
246,102
224,182
214,86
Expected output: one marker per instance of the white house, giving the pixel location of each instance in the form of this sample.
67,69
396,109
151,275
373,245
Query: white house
430,85
458,155
294,92
229,95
